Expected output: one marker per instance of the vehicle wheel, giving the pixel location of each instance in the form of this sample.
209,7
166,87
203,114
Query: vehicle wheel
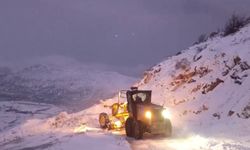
129,127
138,130
103,120
168,130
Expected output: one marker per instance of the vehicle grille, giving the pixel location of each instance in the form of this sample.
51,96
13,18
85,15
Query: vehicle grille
156,115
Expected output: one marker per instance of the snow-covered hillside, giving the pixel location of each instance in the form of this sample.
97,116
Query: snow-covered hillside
61,81
207,88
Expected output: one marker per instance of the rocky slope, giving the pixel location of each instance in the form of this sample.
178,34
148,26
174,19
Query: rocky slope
206,83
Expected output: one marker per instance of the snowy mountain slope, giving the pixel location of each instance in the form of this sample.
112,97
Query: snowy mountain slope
61,81
207,89
218,68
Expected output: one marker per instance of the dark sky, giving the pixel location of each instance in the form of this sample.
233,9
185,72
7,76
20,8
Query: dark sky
128,35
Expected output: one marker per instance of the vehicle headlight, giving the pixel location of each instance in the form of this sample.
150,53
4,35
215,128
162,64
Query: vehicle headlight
148,114
118,124
166,114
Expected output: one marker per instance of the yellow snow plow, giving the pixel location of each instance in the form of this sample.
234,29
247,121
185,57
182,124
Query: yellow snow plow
139,115
118,116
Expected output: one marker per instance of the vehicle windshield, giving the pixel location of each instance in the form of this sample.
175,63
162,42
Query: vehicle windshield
139,97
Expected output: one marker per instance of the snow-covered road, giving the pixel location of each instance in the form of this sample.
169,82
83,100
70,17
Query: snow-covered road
33,126
43,126
191,142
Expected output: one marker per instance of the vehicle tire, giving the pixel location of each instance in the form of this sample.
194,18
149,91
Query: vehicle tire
103,120
168,130
138,130
129,127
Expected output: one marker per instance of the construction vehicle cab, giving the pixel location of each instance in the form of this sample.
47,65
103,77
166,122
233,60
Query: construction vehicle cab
145,116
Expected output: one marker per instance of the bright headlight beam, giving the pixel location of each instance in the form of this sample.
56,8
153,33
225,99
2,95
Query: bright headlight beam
148,114
166,114
118,124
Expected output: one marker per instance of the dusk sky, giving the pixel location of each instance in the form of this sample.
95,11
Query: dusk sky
127,35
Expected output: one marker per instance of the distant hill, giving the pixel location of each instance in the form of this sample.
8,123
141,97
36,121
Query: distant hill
60,81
